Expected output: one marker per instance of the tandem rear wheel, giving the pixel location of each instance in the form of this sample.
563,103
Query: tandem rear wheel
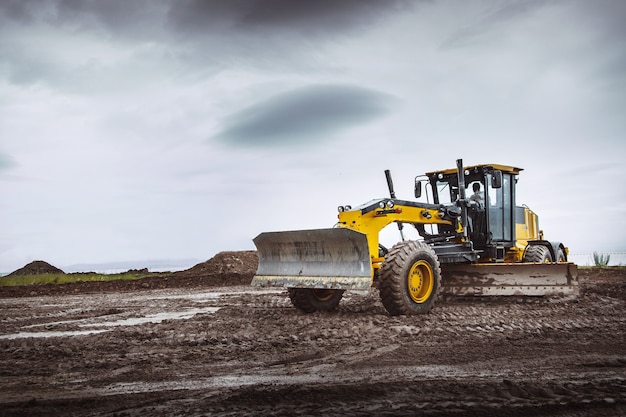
410,279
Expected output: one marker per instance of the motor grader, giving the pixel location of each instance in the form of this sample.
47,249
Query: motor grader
478,245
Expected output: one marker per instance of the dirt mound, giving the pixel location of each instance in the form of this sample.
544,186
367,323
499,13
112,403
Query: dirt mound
225,268
37,268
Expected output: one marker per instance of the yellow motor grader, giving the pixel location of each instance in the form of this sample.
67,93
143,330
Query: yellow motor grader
479,244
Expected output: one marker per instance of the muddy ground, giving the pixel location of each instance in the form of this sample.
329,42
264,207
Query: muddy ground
186,347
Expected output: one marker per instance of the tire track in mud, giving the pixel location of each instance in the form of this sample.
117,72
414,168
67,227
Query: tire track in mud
464,358
478,322
433,398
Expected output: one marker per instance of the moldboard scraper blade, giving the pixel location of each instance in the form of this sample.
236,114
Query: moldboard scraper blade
335,258
510,279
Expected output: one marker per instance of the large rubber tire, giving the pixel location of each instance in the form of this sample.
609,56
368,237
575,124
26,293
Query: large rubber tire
310,300
410,279
537,253
560,256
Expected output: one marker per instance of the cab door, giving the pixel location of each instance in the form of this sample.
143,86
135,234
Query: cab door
500,203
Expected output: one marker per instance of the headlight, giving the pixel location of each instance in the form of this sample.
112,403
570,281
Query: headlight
381,204
341,209
390,204
348,208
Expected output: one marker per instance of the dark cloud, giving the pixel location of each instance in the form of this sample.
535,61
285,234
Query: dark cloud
23,11
304,115
271,34
187,37
251,15
212,17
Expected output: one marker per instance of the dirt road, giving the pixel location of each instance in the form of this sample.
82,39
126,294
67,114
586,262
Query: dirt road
238,351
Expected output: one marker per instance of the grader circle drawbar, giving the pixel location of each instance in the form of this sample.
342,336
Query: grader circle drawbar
481,245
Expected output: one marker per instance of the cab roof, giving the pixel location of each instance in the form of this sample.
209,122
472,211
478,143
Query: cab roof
504,168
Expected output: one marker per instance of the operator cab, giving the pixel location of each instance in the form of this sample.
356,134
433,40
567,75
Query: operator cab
490,199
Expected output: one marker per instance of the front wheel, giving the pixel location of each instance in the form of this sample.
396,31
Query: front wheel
311,300
410,279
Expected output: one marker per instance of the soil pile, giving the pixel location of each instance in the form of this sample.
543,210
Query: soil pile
225,268
36,268
231,267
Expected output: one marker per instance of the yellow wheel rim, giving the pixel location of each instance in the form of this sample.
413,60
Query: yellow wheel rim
421,281
323,294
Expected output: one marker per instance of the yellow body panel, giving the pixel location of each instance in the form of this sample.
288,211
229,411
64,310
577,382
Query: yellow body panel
528,230
372,222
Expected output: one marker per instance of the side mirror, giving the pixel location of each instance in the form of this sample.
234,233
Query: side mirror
418,189
496,179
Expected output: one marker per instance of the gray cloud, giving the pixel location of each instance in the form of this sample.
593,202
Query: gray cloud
21,11
271,34
304,115
492,17
142,18
185,37
35,36
251,15
84,15
6,162
604,17
140,85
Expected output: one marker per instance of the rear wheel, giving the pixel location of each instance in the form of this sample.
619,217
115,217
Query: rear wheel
537,253
410,279
310,300
560,256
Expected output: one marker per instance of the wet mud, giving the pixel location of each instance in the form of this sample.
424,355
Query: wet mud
232,350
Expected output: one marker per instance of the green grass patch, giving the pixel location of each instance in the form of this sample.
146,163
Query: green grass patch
75,277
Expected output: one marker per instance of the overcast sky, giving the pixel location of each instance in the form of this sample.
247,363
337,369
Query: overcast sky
176,129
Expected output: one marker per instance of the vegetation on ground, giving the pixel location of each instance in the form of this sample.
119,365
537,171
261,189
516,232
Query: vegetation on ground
62,278
600,259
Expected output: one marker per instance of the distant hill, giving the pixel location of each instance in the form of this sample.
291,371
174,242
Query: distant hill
154,265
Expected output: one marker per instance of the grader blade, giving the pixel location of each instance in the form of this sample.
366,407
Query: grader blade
510,279
335,258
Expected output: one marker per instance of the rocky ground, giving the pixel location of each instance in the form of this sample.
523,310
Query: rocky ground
203,343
